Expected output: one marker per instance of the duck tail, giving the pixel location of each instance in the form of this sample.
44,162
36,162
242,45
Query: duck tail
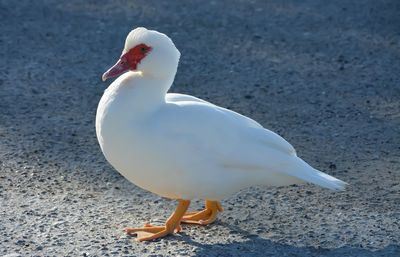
308,174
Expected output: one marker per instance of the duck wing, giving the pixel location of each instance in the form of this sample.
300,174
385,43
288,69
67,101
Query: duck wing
236,142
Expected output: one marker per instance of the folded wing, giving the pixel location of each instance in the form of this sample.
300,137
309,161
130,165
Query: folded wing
239,143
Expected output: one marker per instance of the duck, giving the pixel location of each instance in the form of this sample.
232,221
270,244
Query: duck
181,147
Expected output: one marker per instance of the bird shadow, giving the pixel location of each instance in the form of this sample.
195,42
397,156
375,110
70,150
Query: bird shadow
255,245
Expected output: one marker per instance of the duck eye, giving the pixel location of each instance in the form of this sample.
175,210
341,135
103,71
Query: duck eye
143,49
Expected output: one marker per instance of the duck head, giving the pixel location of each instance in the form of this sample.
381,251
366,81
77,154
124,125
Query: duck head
147,51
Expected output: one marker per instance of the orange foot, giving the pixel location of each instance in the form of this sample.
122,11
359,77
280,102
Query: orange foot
150,232
204,217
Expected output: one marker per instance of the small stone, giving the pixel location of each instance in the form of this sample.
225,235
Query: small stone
332,166
20,242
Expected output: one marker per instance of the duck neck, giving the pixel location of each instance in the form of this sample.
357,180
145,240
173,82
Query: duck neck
145,92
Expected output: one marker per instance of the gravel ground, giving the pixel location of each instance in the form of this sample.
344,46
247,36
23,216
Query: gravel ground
323,74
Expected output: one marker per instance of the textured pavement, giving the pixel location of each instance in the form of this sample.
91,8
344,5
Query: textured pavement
323,74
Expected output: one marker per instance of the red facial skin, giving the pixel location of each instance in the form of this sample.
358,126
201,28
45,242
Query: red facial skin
128,61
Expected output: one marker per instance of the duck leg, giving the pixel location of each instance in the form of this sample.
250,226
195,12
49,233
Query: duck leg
204,217
150,232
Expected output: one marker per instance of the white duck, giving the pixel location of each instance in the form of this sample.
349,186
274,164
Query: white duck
181,147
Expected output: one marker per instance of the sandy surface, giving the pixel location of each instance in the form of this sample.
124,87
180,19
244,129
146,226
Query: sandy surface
323,74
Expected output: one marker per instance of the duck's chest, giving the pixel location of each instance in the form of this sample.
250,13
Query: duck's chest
127,138
117,132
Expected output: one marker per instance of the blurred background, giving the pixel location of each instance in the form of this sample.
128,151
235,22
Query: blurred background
323,74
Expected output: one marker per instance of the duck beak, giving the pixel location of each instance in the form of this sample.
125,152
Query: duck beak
119,68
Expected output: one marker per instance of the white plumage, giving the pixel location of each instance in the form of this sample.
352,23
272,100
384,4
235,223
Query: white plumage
179,146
